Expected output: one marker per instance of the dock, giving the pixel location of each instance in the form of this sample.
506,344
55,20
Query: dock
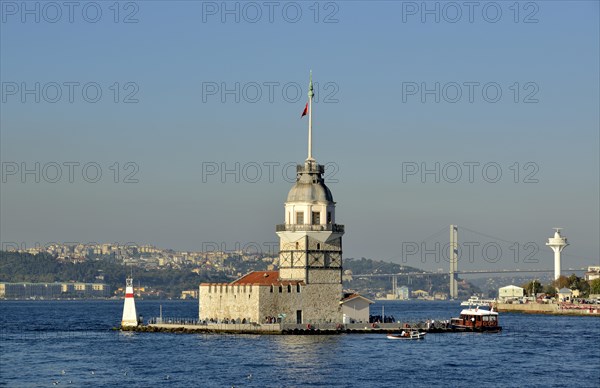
190,327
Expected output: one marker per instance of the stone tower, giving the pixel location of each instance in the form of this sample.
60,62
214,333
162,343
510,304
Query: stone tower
310,241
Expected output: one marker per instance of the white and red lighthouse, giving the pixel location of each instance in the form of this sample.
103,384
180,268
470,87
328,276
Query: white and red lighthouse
129,314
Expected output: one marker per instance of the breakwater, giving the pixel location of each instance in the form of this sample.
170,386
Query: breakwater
550,308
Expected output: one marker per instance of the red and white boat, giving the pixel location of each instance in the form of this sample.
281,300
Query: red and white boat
476,319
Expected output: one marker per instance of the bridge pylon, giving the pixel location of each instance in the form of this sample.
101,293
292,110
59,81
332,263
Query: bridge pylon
453,261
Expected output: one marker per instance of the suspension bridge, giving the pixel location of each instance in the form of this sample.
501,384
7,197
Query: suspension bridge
453,252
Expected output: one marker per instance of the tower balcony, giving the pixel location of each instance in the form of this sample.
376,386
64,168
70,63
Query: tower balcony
336,228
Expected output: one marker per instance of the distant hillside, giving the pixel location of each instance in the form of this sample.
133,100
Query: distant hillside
368,266
25,267
381,285
43,267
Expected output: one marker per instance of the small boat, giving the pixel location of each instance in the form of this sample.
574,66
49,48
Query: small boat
476,319
408,335
476,301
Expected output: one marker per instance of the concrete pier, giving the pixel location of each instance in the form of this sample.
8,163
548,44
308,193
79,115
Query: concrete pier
550,308
291,329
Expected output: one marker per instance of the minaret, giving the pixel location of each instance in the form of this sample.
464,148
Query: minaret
129,314
557,244
310,240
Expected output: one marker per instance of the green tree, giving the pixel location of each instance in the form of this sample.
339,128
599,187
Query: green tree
595,286
574,282
550,290
531,288
584,288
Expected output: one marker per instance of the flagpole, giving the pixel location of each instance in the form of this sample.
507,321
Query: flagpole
310,97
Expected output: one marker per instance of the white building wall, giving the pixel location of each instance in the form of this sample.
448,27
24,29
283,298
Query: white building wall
356,310
510,292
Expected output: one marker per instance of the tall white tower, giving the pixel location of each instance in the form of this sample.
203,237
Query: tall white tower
557,244
129,314
310,240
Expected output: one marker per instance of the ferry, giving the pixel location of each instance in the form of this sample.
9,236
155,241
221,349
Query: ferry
476,301
476,319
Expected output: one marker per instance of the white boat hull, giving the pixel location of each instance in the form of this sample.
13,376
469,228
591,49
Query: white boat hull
412,336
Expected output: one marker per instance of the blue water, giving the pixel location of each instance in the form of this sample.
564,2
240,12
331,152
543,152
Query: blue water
41,339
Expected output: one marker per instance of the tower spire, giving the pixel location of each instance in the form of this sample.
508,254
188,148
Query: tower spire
310,98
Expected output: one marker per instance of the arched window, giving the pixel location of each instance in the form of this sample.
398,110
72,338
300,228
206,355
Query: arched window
271,288
289,287
297,245
280,289
318,245
298,287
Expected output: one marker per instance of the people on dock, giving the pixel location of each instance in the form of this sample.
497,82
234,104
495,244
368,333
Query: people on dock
380,319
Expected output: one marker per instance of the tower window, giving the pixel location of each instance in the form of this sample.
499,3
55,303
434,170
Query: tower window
280,289
289,287
297,245
318,246
271,288
298,287
300,218
329,217
316,218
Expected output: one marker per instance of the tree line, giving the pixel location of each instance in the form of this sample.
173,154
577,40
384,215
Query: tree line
572,282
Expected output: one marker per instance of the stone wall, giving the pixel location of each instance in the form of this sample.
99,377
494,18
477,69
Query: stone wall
318,302
220,301
292,273
318,275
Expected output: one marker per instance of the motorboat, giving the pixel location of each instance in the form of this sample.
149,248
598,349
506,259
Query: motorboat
408,335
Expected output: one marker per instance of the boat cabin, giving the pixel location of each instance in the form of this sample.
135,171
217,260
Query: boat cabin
476,318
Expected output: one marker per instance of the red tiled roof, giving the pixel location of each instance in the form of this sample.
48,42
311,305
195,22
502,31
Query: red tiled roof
349,297
264,278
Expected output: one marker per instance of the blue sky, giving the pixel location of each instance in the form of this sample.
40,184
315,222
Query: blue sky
370,123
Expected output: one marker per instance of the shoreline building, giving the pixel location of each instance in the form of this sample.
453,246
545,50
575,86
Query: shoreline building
54,290
307,287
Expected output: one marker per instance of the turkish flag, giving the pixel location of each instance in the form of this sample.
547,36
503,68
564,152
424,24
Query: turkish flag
305,111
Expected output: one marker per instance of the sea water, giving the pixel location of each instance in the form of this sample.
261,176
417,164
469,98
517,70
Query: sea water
48,343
